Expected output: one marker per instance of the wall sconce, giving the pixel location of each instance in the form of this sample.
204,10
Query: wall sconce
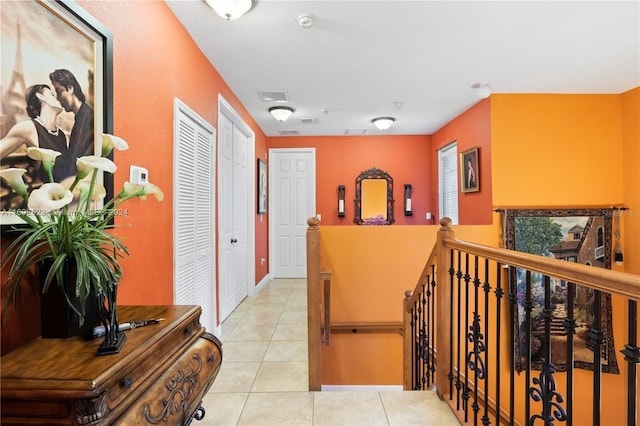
230,9
340,200
617,257
408,210
383,123
281,113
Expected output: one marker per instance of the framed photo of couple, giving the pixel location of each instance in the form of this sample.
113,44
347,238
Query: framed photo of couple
469,170
57,77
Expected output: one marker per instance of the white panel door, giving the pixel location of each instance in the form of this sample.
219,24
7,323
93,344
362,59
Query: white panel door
234,215
292,193
225,224
194,231
240,216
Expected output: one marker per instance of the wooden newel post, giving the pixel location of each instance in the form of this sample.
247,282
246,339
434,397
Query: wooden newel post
313,305
443,302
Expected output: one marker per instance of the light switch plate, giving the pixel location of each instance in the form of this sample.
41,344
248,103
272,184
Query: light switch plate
138,175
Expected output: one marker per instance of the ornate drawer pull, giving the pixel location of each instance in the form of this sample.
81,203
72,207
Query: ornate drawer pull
127,382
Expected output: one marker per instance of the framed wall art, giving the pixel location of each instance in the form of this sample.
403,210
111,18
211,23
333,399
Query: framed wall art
56,70
573,235
469,171
262,187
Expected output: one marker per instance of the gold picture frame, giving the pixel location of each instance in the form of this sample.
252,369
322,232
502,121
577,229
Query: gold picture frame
469,170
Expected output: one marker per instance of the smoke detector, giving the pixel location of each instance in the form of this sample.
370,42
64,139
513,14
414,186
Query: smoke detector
306,21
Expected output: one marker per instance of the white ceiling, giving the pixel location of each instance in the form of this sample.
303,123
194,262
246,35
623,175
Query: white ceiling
362,56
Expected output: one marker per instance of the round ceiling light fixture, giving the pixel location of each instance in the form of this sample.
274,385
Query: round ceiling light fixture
230,9
383,123
281,113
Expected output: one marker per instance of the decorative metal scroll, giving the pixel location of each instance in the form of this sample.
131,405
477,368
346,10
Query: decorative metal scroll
575,235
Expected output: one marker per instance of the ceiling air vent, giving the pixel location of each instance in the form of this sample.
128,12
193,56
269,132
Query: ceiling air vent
288,132
273,96
355,131
309,120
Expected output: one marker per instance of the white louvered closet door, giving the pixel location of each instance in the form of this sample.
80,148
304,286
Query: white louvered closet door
448,182
194,230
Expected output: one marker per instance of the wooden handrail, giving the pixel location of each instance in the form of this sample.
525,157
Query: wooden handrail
614,282
420,348
423,276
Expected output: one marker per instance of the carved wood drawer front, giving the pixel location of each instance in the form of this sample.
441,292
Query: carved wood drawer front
173,397
131,380
62,381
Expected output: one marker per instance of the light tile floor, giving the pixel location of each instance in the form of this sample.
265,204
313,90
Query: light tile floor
263,379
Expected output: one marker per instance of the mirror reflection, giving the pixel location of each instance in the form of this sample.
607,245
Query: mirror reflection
374,198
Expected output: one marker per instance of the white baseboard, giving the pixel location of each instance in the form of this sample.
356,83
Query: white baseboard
258,287
360,388
218,331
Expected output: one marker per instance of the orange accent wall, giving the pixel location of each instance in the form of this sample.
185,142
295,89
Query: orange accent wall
154,62
631,179
470,129
340,159
371,267
574,151
556,150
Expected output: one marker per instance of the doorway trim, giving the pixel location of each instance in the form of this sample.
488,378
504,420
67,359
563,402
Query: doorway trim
271,192
210,313
225,108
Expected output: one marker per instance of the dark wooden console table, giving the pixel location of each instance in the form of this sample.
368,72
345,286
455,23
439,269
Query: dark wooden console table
159,377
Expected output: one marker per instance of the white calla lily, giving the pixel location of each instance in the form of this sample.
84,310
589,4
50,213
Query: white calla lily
67,232
13,176
111,142
49,197
42,154
153,189
98,193
129,190
87,164
46,156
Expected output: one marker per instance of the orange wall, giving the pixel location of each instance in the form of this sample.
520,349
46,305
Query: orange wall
556,150
564,133
145,85
470,129
340,159
569,150
371,267
573,150
154,61
631,176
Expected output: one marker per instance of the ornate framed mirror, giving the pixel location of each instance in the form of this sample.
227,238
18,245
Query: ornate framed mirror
374,198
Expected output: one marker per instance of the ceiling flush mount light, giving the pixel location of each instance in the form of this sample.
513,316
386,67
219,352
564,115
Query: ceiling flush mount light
483,90
230,9
281,113
383,123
